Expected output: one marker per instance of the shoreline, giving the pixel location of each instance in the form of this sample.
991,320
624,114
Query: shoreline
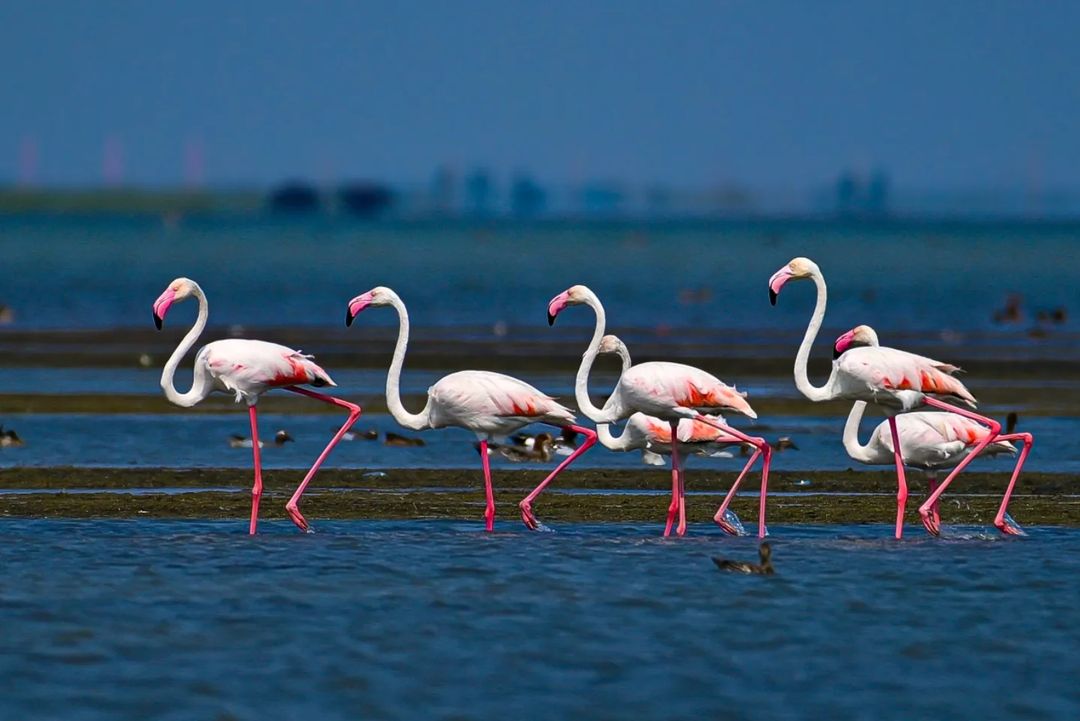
830,498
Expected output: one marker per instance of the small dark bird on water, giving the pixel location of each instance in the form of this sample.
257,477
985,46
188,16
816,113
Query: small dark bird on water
280,439
396,439
9,438
765,568
780,444
369,435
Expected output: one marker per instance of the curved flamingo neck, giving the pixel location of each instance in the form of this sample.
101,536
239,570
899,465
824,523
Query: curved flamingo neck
201,385
622,442
413,421
802,380
858,452
612,407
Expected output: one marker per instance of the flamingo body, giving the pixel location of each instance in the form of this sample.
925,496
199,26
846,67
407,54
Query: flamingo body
492,405
666,390
249,368
891,377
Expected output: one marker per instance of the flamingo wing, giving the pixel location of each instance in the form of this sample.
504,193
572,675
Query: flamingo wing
889,369
665,385
250,367
483,394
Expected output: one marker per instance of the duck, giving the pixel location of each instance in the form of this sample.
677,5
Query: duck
396,439
280,439
10,439
369,435
779,445
524,449
563,445
765,568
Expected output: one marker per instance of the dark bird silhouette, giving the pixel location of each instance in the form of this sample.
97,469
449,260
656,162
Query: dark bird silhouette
369,435
280,439
780,444
396,439
765,568
9,438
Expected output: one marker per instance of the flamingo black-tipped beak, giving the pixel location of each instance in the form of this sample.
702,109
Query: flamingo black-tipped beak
157,320
551,319
349,317
772,296
836,353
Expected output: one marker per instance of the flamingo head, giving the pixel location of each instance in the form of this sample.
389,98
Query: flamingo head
376,296
860,335
796,269
179,289
611,344
574,295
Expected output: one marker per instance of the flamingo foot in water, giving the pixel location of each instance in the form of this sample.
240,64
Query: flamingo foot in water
730,524
294,513
671,511
1009,527
529,518
932,524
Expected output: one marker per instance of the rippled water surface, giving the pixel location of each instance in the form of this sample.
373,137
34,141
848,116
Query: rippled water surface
434,620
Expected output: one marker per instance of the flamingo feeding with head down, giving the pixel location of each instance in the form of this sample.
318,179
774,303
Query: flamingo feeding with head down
929,440
652,437
894,379
247,369
668,391
491,405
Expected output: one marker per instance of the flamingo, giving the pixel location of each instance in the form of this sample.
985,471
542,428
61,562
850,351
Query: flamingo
894,379
653,437
491,405
247,369
930,440
668,391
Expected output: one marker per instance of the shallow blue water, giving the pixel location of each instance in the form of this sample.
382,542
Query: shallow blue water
435,620
194,440
64,272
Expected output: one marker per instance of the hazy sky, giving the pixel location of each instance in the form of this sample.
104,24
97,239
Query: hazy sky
775,94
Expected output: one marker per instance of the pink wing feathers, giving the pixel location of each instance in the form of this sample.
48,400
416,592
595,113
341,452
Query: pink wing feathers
246,365
896,370
482,393
685,386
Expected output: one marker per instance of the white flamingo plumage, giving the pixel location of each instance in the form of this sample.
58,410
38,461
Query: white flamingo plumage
492,405
929,440
669,391
652,436
246,369
894,379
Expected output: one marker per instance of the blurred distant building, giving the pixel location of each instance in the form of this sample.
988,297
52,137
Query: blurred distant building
480,192
527,198
366,199
294,196
858,195
443,191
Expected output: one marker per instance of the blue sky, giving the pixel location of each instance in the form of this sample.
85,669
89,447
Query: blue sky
773,94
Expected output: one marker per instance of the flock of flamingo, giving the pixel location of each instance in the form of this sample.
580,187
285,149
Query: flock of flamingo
669,408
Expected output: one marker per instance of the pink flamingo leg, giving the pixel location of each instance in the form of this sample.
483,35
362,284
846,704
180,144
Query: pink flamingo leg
1003,525
995,428
256,490
293,507
527,516
766,452
721,513
674,507
901,480
932,483
489,492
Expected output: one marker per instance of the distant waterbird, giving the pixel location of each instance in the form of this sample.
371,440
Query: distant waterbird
765,568
10,439
239,441
246,369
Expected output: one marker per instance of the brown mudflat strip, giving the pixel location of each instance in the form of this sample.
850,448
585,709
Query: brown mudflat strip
1042,498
